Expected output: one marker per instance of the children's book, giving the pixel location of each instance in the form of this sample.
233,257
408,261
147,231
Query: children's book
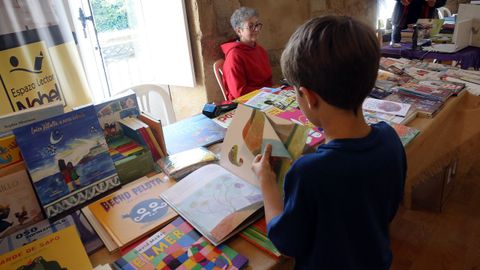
256,234
19,207
180,164
392,118
9,151
424,91
191,133
68,160
424,107
89,238
155,125
225,119
179,246
60,250
24,117
220,200
454,87
133,211
385,106
114,109
406,134
141,133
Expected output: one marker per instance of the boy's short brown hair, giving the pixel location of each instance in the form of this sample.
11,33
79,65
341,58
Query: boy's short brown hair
335,56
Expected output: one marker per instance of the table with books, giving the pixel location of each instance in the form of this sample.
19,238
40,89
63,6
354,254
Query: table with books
214,202
468,57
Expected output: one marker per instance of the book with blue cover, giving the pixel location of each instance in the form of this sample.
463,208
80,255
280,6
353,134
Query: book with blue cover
68,160
192,132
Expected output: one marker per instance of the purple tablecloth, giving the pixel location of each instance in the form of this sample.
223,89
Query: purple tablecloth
468,57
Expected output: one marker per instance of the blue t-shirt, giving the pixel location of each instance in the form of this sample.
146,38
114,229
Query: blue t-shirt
339,202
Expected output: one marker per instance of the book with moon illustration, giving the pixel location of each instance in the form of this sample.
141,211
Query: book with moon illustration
68,160
221,199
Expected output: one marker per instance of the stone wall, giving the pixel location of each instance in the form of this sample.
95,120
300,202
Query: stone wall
209,27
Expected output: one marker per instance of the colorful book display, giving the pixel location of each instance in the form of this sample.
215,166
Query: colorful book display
179,246
191,133
68,160
59,250
131,212
19,207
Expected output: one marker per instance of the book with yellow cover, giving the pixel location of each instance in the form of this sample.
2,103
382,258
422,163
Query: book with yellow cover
9,151
60,250
133,211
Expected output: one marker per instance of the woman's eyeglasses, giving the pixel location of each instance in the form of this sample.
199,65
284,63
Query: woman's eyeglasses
254,27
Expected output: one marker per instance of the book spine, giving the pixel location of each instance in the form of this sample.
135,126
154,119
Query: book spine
146,138
155,143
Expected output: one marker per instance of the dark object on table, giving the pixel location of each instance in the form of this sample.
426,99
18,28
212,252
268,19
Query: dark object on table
214,110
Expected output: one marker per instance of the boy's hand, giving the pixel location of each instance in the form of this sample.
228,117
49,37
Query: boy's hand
261,166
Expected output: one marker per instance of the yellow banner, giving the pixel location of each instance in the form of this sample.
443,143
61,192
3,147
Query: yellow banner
27,78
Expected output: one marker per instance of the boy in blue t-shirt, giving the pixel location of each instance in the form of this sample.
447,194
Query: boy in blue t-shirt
338,201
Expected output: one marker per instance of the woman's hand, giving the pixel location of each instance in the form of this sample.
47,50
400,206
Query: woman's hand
261,166
405,2
431,3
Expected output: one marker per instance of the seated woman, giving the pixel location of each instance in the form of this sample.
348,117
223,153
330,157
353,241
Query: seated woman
246,66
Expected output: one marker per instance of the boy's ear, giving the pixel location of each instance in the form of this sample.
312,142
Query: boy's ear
310,97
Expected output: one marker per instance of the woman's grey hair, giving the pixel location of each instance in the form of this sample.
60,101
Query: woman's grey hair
241,15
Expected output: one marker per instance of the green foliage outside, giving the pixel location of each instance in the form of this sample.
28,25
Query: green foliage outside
110,15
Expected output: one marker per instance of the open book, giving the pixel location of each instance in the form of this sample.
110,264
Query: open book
220,200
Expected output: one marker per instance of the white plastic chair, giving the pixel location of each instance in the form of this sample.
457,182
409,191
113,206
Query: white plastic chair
218,71
443,12
155,100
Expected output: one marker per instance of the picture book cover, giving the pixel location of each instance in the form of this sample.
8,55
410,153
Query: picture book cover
114,109
19,207
9,151
133,211
191,133
424,107
89,238
454,87
179,246
386,106
266,100
424,91
60,250
68,160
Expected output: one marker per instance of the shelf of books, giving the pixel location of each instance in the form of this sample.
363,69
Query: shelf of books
123,192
